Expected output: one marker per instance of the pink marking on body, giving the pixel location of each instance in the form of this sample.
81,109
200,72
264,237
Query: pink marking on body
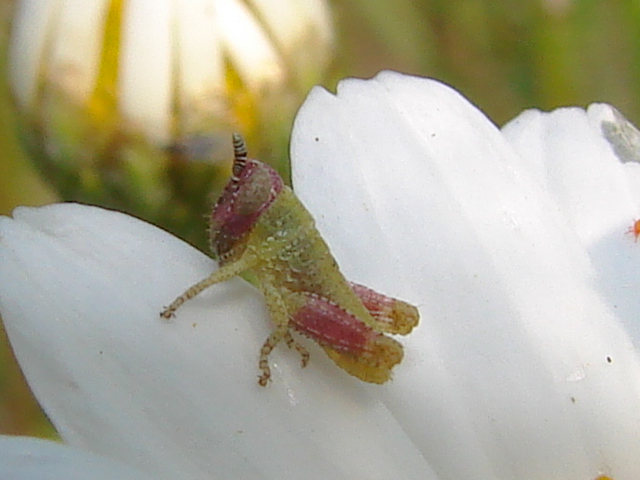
228,210
331,325
235,214
380,306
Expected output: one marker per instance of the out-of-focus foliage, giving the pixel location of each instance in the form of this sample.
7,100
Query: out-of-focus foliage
505,56
19,411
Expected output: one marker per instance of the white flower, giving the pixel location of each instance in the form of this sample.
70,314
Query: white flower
524,363
130,104
146,60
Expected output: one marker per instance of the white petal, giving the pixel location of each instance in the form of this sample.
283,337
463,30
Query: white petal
77,46
200,63
291,20
250,50
34,459
577,165
80,293
146,75
33,24
594,180
298,26
519,369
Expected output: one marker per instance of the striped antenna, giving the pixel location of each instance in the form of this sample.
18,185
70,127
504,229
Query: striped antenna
239,155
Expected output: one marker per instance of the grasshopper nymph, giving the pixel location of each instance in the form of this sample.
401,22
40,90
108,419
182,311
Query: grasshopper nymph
259,226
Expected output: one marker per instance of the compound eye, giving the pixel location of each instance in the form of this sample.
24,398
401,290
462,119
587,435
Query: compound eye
255,193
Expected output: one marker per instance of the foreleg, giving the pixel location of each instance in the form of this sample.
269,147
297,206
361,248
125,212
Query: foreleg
224,273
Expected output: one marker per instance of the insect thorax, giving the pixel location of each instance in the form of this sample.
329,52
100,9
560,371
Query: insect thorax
292,254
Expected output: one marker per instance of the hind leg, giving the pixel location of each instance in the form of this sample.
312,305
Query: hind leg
267,347
292,343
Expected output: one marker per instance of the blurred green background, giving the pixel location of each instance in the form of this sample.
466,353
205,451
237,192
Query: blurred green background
504,56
